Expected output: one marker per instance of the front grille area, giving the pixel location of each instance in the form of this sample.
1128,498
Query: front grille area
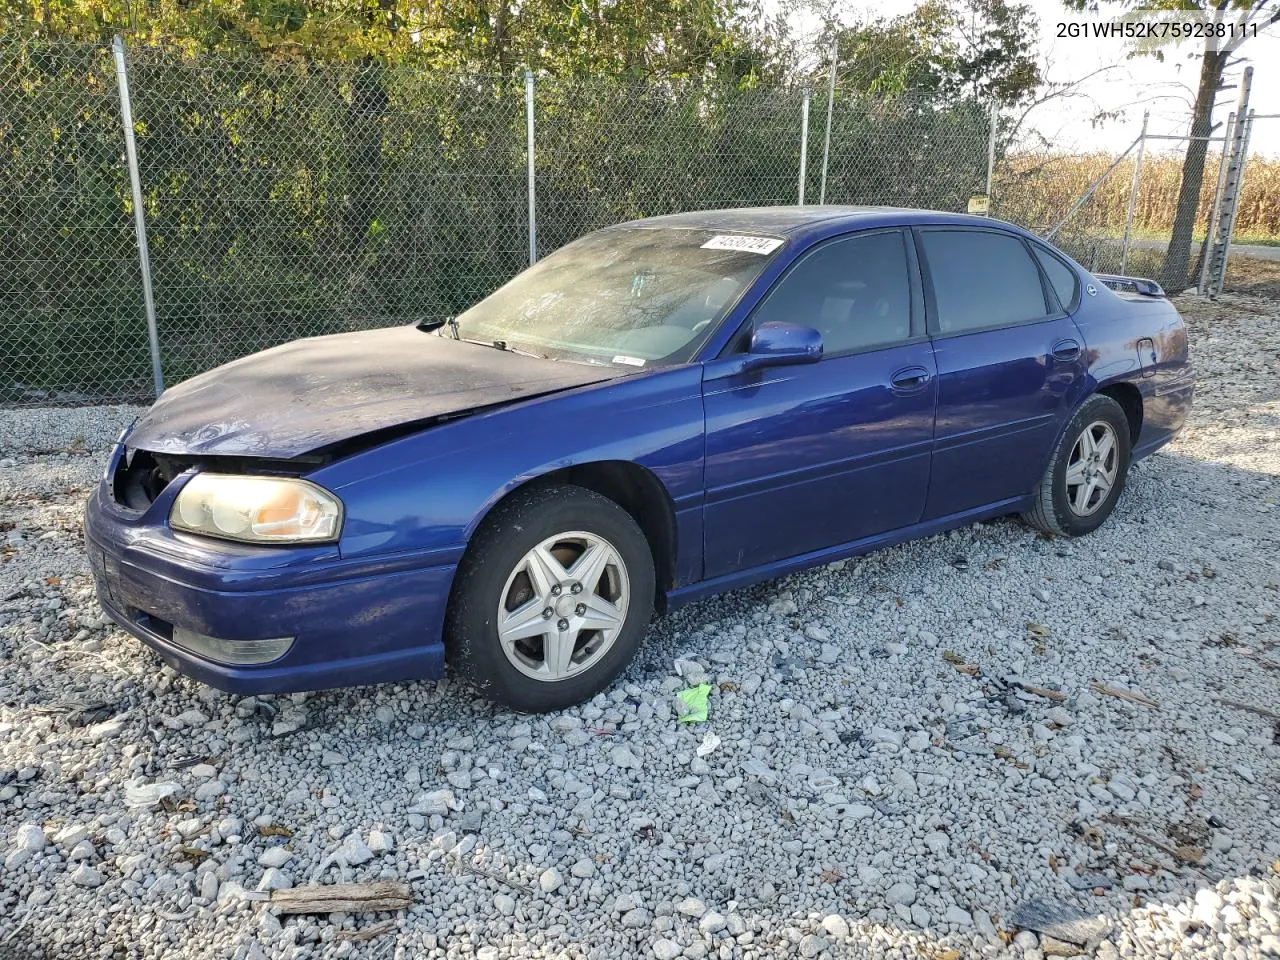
141,476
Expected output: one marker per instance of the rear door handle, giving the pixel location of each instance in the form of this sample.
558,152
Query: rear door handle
910,379
1066,350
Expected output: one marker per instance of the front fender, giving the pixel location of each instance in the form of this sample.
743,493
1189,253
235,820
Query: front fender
430,490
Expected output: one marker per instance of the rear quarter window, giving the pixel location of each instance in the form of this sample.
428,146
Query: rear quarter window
1061,277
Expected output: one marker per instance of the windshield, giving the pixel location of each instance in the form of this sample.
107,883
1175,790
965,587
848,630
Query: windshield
630,295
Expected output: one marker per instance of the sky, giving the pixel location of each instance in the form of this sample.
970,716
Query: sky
1130,85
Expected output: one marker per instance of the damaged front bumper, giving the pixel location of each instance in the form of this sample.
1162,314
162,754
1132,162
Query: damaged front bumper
251,619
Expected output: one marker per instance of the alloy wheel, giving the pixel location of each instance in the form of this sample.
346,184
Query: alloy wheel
563,606
1092,467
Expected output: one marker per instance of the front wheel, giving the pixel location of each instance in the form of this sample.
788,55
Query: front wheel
552,599
1086,473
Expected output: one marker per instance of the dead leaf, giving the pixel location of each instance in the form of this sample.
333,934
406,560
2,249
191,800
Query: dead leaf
1189,854
728,686
1053,862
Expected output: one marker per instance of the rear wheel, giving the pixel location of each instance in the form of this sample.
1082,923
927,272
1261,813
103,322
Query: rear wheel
552,599
1086,473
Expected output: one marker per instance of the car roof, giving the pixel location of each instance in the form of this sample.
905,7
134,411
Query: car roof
802,222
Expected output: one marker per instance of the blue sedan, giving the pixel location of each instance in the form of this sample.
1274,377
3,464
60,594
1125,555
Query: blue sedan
659,411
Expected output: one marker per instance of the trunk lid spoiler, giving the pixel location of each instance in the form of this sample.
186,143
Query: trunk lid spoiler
1139,285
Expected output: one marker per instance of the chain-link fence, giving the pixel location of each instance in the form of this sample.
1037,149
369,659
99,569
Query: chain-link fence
1042,190
1124,214
71,314
285,201
295,199
290,199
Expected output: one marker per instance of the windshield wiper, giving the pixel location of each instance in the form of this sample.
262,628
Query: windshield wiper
505,347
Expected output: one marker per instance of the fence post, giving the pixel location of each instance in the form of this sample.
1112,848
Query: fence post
1133,192
804,144
533,194
991,152
1215,210
139,215
831,98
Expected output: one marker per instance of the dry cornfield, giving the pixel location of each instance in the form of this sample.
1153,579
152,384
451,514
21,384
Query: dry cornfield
1038,189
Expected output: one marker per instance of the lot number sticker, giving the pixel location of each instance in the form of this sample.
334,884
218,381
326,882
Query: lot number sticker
727,241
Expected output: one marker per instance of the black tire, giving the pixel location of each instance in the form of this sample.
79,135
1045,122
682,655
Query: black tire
1053,511
499,547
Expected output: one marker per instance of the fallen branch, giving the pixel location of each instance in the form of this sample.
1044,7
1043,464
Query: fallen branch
369,932
1260,660
1250,708
1119,694
1056,696
1186,854
344,898
494,875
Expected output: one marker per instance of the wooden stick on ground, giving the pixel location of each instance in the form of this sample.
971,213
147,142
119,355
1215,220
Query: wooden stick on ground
344,897
369,932
1056,695
1129,695
1250,708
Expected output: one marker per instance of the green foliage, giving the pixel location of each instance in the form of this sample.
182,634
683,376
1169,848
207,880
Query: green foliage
69,284
617,37
316,166
951,49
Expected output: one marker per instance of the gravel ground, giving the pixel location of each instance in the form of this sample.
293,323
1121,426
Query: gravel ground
914,754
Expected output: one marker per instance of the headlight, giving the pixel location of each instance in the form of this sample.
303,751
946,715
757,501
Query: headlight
257,509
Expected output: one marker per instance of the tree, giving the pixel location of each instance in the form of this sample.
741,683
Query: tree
953,49
619,37
1240,20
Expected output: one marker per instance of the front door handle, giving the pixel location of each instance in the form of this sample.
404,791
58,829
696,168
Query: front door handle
910,379
1066,350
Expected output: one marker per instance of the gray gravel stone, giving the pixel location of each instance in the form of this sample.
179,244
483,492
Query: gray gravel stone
873,755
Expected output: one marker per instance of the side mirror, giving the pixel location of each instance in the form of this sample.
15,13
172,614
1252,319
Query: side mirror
777,344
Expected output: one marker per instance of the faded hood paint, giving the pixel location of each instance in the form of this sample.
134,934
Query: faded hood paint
311,393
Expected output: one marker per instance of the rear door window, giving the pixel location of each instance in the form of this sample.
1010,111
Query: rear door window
981,279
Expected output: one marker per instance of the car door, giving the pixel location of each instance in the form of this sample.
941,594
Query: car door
801,458
1010,366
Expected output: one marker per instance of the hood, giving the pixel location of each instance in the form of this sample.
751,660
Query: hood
312,393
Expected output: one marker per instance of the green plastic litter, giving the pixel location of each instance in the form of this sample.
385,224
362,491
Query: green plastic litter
695,698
